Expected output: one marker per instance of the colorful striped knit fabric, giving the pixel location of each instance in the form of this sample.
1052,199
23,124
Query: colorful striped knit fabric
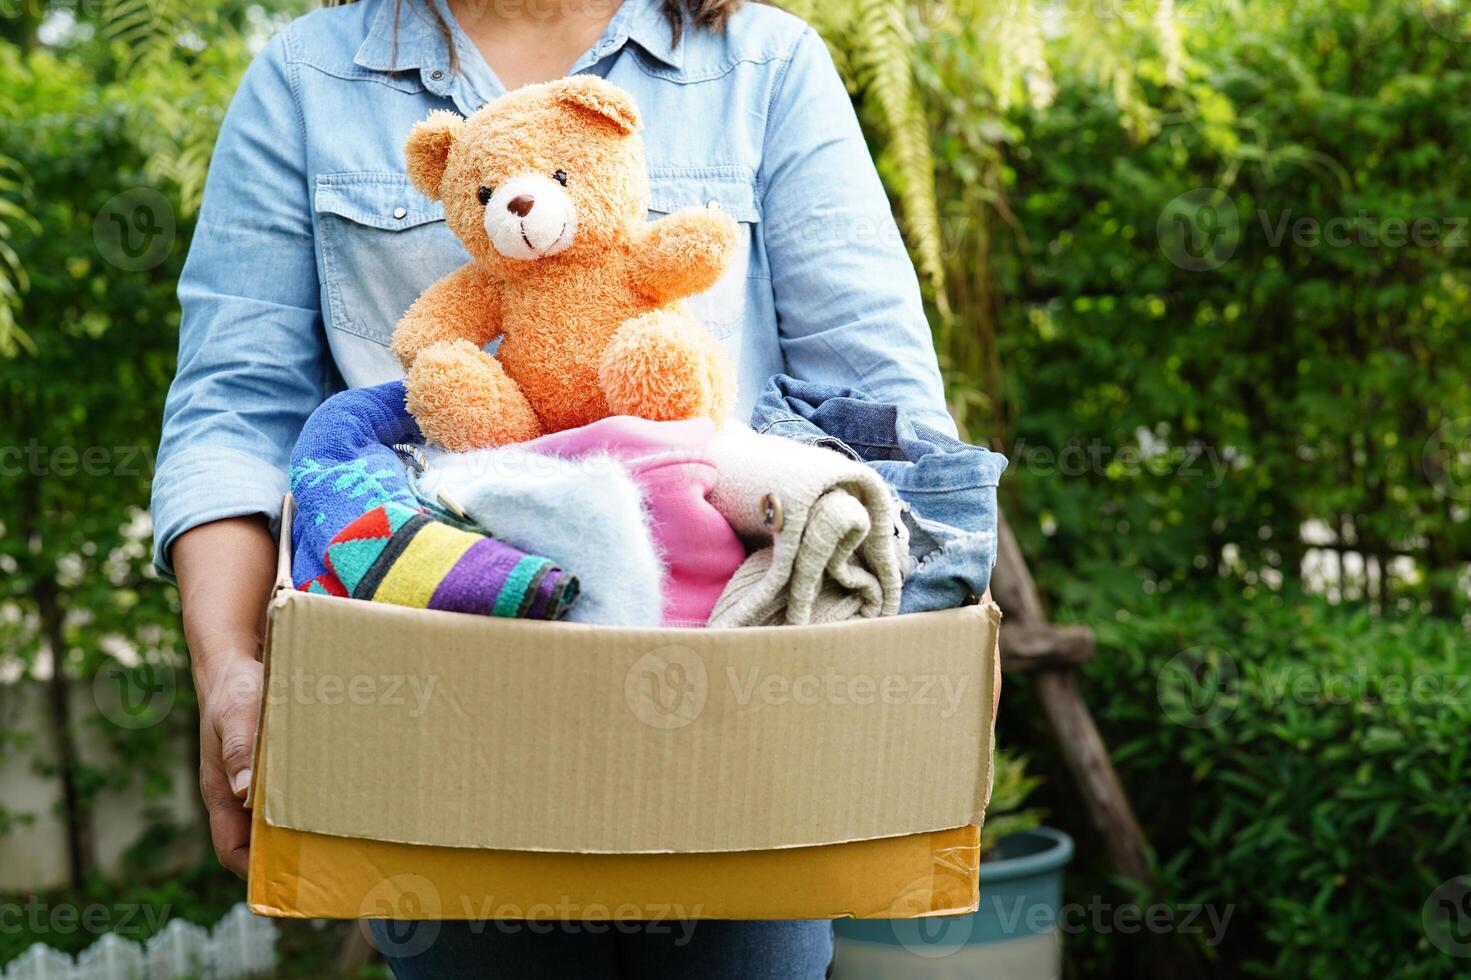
397,554
344,465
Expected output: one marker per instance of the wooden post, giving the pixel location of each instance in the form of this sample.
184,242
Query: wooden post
357,949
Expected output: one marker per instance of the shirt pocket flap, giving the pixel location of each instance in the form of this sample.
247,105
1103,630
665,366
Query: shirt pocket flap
733,192
385,201
382,243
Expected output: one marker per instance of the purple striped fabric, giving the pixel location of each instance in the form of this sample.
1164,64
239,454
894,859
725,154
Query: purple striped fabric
475,583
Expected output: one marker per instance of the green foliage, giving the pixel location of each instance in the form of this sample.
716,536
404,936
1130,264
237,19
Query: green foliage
1011,787
1174,416
983,67
1206,418
87,143
15,219
1320,783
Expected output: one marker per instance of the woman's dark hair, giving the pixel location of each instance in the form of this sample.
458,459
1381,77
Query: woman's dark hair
711,15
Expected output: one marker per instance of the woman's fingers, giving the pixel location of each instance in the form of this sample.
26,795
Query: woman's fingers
227,746
237,711
229,821
225,571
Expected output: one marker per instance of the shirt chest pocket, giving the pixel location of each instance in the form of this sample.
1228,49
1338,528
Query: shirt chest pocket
721,308
382,244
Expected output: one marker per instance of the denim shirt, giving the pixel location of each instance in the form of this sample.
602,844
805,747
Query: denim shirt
311,242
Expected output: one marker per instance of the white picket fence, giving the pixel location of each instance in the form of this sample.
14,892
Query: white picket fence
240,945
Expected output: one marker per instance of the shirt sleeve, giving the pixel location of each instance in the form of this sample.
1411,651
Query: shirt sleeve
847,298
252,353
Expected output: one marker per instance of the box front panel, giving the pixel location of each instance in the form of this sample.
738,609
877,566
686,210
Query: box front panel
431,728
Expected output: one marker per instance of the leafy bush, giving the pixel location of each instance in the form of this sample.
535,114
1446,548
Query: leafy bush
1011,788
1228,304
1213,407
1304,763
105,141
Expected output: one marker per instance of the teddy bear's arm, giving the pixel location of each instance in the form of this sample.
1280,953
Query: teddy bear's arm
464,305
682,254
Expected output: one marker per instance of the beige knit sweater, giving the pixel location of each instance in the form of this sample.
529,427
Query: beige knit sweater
825,529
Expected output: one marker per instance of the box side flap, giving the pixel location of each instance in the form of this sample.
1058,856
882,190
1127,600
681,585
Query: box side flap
420,727
987,775
283,549
282,583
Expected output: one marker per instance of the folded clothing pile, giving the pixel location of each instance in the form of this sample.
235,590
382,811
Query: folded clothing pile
837,508
827,545
946,488
359,531
625,501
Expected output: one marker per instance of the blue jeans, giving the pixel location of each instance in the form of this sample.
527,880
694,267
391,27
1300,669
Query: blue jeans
706,949
947,488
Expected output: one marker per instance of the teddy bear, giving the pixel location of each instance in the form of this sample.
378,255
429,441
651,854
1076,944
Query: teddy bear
547,189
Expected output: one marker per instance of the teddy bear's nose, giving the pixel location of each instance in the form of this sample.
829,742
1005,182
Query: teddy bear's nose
520,205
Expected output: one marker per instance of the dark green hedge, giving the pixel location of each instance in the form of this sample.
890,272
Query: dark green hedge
1318,775
1255,318
1245,318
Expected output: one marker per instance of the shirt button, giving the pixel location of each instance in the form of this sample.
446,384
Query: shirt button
400,212
436,74
713,204
771,513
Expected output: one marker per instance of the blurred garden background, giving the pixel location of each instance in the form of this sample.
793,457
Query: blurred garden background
1200,269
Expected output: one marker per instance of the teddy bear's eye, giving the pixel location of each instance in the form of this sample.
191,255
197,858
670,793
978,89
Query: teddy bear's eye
560,177
484,194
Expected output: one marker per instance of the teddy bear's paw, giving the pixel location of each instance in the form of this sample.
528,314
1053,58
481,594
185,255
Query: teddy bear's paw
664,366
463,399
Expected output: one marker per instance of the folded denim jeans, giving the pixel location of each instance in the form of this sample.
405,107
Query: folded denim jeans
947,488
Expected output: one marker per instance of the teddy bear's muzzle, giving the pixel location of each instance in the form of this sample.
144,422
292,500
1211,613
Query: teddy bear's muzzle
530,217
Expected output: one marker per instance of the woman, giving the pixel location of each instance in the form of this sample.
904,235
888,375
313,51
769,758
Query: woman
312,242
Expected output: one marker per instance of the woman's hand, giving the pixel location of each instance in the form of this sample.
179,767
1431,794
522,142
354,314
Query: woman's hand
225,569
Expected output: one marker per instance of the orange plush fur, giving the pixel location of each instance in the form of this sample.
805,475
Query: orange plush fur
592,323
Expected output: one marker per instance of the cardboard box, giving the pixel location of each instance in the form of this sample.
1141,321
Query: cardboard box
416,764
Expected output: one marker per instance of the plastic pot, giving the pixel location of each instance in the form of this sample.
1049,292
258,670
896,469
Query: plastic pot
1013,936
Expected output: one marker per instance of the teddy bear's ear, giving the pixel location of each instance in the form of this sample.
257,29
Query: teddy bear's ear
606,100
427,149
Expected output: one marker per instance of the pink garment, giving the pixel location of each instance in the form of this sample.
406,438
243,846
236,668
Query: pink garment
668,462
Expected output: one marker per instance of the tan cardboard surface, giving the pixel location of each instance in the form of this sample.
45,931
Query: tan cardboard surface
429,728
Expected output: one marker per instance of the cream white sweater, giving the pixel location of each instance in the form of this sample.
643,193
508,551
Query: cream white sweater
825,529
